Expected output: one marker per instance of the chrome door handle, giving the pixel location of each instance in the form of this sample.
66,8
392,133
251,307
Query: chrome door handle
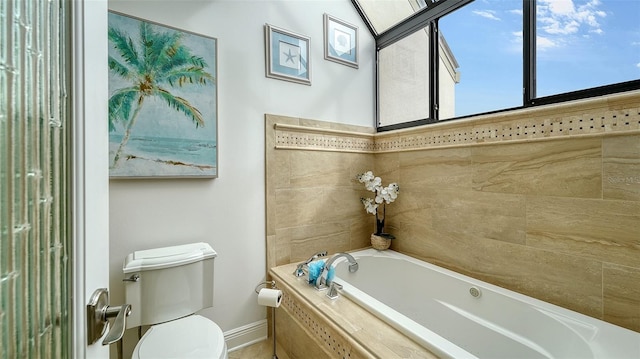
117,328
98,314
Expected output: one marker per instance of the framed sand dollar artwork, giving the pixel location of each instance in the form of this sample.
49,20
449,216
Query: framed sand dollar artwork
340,41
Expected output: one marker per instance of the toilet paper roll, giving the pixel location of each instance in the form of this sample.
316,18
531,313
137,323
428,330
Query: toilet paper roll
270,297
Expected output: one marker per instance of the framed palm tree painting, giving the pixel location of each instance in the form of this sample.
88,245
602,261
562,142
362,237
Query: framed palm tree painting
162,101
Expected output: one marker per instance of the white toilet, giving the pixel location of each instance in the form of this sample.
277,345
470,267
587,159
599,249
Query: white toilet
165,287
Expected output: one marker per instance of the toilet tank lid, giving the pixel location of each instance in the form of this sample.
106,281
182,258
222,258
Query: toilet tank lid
166,257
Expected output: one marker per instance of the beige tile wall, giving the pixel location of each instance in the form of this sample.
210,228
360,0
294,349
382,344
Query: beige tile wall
312,195
556,218
532,217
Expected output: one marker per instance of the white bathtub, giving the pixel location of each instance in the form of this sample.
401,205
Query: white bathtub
434,306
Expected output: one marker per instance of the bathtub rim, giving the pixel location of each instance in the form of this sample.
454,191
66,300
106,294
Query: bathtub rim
605,330
356,335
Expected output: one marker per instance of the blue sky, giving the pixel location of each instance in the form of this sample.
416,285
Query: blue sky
580,44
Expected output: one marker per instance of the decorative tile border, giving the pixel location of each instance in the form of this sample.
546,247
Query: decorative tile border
528,129
322,139
317,328
612,115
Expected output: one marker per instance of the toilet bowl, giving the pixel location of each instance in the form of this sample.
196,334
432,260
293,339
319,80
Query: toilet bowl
191,337
166,287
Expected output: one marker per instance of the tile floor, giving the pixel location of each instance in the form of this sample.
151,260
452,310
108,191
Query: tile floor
260,350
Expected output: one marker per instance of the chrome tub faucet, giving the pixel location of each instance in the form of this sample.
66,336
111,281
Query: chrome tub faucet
300,269
321,282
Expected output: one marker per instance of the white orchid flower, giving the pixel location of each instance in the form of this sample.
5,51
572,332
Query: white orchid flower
369,205
366,177
384,195
374,185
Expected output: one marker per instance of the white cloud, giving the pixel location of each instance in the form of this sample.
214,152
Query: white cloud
560,7
515,45
545,43
489,14
563,17
517,37
638,65
542,43
516,12
554,26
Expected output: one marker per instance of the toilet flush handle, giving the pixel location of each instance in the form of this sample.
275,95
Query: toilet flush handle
133,278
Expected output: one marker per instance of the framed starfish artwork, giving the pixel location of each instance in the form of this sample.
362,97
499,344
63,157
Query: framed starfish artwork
287,55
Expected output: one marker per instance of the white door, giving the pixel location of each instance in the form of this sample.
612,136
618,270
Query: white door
53,183
91,173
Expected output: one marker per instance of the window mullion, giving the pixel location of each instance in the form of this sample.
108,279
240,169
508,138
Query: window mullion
434,63
529,52
417,21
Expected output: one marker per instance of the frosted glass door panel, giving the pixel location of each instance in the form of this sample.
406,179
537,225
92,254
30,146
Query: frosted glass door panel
34,198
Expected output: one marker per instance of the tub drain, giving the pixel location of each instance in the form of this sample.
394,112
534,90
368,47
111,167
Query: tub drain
475,292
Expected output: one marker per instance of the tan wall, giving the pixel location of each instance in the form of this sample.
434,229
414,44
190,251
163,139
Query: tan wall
551,214
312,196
542,218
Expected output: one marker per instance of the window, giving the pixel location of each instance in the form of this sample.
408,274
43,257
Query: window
585,44
403,80
485,38
385,14
462,57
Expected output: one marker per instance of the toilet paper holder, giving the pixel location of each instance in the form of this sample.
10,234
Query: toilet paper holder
264,284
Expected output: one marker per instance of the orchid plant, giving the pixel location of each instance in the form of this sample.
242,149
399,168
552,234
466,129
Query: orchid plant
384,196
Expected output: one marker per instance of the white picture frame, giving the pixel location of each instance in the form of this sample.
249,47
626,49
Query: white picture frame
340,41
287,55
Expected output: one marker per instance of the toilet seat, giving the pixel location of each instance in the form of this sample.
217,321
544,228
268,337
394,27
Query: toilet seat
190,337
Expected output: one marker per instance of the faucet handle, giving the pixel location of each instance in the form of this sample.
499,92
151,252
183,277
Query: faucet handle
299,272
316,256
321,284
333,290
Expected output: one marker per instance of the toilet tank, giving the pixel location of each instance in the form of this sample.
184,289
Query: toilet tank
167,283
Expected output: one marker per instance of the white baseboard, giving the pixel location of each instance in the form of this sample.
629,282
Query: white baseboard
246,335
